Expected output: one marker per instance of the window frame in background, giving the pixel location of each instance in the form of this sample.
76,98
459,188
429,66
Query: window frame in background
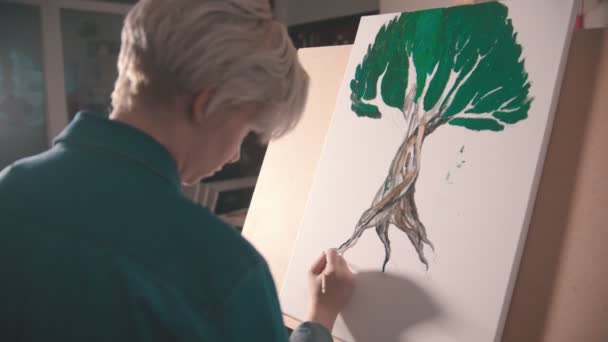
52,53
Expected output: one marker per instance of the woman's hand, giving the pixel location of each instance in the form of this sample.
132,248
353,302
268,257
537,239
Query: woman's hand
339,286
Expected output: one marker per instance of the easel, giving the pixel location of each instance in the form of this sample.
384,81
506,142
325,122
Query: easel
288,170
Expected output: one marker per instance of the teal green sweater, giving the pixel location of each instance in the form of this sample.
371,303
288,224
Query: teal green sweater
97,243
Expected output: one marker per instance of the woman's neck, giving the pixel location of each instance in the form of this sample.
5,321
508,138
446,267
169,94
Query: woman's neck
163,127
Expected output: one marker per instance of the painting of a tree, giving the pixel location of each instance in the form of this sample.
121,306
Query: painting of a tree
460,66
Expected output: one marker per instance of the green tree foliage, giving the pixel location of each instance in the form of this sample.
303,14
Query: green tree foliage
474,44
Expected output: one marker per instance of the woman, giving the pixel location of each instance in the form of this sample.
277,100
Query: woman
97,241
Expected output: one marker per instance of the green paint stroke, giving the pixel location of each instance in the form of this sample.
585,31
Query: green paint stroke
476,124
387,184
448,40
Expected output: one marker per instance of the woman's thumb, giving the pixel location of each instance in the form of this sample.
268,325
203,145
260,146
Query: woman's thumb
333,260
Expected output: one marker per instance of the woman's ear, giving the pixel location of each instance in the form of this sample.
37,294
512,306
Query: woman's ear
199,112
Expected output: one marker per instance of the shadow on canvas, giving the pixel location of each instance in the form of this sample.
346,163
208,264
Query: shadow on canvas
385,306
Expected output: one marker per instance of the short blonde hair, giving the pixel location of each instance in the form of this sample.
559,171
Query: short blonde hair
233,48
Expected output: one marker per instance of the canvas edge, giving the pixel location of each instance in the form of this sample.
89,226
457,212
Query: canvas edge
537,178
313,182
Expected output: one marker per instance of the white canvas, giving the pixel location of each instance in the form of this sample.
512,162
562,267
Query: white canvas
475,193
